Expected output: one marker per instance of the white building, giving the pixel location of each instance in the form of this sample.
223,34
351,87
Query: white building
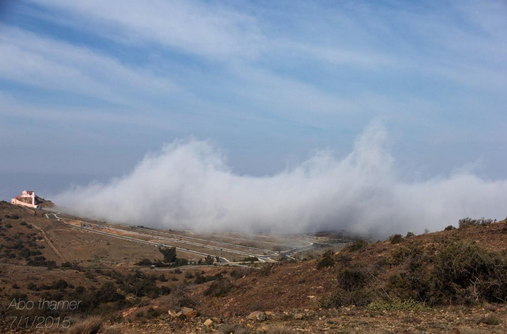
27,198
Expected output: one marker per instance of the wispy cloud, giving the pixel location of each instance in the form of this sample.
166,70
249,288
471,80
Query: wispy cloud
50,64
206,29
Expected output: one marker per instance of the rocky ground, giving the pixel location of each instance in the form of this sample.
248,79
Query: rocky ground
454,320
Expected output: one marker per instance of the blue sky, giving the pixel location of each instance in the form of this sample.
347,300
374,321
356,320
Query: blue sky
87,88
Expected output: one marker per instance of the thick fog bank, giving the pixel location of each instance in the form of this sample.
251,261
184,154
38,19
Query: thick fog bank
189,185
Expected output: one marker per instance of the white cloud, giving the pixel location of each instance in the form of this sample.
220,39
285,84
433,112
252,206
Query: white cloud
189,185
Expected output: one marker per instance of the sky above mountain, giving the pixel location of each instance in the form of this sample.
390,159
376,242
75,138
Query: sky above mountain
88,88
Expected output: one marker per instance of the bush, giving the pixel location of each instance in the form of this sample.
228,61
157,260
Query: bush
107,293
238,273
199,278
357,245
169,254
469,222
361,297
219,288
411,285
153,313
88,326
60,285
180,298
465,272
410,235
164,290
326,260
209,260
398,305
343,259
449,228
396,239
266,269
144,262
490,320
352,278
352,289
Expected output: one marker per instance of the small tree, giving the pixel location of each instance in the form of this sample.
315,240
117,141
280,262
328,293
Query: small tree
209,260
169,254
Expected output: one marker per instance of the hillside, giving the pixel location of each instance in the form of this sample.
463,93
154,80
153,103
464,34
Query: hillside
453,281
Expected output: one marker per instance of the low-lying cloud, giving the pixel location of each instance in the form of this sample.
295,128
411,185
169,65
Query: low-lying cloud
189,185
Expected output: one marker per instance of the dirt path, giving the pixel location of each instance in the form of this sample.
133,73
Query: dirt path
48,241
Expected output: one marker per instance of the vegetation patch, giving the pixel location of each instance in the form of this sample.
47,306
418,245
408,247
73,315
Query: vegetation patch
396,239
326,260
357,245
469,222
219,288
398,305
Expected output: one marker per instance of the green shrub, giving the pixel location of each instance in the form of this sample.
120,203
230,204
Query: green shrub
490,320
357,245
398,305
352,288
411,285
164,290
340,297
219,288
352,278
465,272
396,238
107,293
469,222
399,255
449,228
144,262
153,313
343,259
180,297
169,254
326,260
238,273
